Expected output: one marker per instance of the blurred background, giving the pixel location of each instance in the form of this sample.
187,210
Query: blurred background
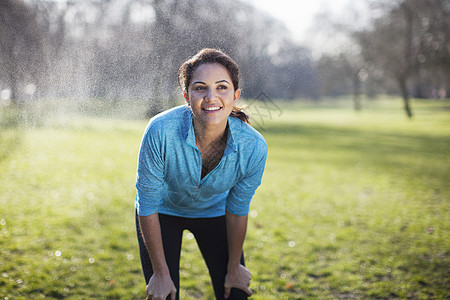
131,49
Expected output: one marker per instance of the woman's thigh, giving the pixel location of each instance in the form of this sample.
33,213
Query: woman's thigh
171,233
211,236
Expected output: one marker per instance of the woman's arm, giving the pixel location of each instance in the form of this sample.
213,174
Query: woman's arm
237,275
160,284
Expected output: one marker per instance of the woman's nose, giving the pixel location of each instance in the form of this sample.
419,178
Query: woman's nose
210,94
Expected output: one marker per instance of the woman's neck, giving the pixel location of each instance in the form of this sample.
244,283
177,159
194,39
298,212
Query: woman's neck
209,135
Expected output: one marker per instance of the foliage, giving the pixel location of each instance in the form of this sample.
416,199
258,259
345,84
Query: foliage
351,206
21,48
133,48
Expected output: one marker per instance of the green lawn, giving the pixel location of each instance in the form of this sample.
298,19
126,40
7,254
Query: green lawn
352,205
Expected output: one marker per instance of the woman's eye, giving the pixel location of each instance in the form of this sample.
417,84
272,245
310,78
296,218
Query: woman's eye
222,87
199,88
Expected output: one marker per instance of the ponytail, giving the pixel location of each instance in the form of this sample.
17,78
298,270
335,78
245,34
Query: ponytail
238,112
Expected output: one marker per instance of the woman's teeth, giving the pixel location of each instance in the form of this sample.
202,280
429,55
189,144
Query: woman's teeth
212,108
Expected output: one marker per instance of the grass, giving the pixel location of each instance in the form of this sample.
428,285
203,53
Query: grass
352,205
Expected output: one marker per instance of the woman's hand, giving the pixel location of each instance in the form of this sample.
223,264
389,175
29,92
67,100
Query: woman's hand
161,286
238,278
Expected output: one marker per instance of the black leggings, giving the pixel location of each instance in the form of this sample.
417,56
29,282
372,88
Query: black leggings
211,237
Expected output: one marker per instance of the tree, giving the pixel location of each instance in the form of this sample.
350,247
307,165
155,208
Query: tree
341,68
21,45
294,68
411,36
340,74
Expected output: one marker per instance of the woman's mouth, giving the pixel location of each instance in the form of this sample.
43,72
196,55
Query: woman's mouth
212,108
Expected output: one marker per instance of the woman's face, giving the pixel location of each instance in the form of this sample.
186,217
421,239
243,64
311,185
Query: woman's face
211,94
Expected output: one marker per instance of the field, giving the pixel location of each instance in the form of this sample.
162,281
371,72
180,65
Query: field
352,205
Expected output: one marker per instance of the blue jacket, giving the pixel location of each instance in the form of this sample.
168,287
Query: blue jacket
170,165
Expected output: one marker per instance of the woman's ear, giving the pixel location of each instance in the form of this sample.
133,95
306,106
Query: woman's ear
186,97
237,94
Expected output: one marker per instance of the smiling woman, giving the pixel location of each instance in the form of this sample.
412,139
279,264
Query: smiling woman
199,167
211,97
210,57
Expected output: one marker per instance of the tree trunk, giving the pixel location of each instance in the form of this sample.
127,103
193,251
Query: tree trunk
13,83
418,90
357,93
404,90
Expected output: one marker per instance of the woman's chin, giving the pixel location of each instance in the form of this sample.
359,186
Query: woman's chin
213,120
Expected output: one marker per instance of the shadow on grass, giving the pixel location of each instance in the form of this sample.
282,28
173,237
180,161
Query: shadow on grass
417,155
416,166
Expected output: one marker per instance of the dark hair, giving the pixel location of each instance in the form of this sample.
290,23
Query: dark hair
209,55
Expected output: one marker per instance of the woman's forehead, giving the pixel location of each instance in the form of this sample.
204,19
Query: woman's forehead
210,72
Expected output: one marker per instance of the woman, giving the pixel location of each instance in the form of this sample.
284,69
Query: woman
199,166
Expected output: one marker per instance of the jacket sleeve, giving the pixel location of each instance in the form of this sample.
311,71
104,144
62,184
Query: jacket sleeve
239,197
150,172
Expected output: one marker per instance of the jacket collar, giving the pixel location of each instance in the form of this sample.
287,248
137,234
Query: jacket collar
189,134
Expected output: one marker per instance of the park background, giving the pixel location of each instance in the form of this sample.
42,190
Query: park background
354,200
